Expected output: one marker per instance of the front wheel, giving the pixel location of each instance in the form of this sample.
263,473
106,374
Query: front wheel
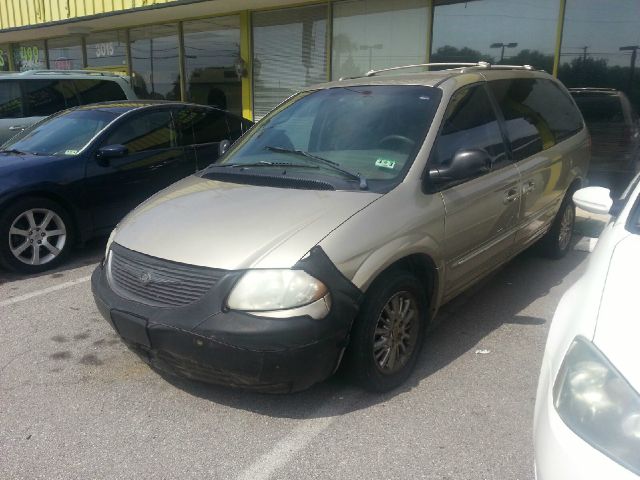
35,235
388,333
556,242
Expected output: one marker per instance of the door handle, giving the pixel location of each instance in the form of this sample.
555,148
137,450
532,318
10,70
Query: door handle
528,188
511,195
13,128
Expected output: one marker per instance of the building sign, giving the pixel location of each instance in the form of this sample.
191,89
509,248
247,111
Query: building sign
63,64
106,49
29,57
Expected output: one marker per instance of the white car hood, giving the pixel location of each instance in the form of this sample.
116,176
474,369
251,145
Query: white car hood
617,332
232,226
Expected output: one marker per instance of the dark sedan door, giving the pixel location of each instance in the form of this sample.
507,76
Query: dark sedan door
201,130
154,161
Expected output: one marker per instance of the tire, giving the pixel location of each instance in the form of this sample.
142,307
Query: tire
28,221
365,363
557,241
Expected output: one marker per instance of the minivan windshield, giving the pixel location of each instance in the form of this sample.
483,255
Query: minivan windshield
356,137
64,134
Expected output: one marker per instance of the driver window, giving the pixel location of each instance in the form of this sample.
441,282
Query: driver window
146,131
469,122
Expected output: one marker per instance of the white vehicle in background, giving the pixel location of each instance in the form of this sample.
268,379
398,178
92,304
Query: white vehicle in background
587,416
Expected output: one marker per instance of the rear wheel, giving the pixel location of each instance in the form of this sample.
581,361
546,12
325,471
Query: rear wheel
388,333
557,241
35,235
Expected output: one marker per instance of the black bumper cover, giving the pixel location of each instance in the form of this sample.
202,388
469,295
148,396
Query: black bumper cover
205,342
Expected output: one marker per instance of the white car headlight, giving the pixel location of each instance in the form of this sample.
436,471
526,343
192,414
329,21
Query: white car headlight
598,404
266,290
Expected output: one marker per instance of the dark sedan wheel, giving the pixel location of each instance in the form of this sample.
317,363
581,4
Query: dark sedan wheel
35,234
387,336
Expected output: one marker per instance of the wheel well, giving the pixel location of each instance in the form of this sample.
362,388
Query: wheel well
54,198
575,185
423,267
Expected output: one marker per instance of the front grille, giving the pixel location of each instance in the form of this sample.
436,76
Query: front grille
158,282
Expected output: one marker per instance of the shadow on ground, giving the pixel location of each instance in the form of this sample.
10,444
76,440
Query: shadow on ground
88,254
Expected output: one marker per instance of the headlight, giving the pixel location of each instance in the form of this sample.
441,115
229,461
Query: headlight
265,290
598,404
109,242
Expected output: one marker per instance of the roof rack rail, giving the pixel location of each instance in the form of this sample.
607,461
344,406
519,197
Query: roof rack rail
70,72
453,65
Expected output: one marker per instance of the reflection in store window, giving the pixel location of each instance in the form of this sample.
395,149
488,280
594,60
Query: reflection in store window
29,56
373,34
107,51
212,48
598,45
65,53
4,58
154,59
289,48
520,32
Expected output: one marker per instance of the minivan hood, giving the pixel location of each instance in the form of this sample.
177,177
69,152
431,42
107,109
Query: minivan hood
617,332
231,226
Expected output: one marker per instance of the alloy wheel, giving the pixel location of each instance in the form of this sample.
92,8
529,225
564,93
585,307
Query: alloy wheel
566,227
396,333
37,236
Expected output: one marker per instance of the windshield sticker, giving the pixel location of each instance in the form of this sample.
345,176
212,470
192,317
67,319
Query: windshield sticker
384,163
71,152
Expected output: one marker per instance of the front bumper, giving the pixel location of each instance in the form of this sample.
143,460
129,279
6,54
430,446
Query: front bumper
204,342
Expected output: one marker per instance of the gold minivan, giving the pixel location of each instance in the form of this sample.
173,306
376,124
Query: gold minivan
332,232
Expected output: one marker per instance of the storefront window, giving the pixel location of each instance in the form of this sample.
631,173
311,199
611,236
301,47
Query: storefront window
600,46
371,34
108,51
4,58
65,53
519,32
212,48
154,58
30,56
289,53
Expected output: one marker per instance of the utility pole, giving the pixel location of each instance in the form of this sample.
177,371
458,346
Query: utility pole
634,54
371,48
502,46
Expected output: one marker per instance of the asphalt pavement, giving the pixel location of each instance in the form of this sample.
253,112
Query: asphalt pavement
75,403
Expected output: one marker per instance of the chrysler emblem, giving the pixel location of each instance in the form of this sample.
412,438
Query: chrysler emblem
144,278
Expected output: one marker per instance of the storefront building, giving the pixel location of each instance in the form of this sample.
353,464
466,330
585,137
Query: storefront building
248,55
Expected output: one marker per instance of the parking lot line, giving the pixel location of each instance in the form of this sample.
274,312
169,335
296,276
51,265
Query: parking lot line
44,291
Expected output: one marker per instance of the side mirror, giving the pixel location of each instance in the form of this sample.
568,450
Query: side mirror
223,146
104,154
466,163
594,200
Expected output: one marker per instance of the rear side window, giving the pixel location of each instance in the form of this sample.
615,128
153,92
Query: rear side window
600,108
93,91
10,100
45,97
144,132
199,125
538,114
470,122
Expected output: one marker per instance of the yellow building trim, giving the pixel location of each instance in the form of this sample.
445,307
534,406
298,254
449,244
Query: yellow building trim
559,31
245,55
23,13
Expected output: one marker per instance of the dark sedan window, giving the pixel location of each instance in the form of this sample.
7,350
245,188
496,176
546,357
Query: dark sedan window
199,125
145,131
65,134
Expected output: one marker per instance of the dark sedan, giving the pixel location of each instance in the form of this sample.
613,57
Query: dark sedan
75,174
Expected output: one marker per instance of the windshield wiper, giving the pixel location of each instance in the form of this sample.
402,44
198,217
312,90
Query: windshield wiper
324,161
13,150
263,164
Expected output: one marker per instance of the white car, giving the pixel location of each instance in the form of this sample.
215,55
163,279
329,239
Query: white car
587,415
